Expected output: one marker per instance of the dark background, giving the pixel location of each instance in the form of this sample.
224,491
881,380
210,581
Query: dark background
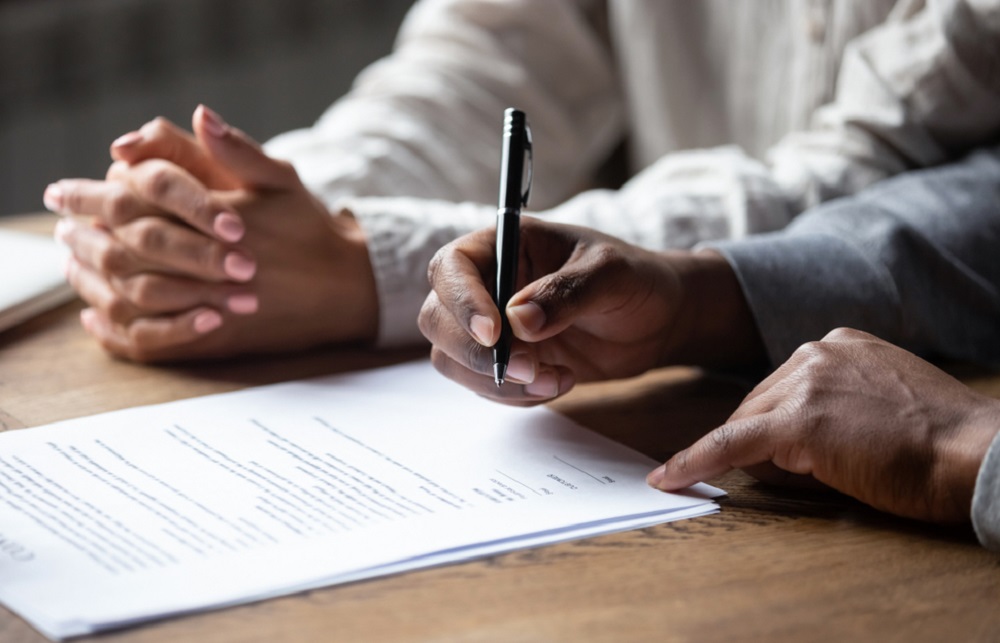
76,74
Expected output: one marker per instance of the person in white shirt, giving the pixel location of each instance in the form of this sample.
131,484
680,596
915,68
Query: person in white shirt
735,118
913,258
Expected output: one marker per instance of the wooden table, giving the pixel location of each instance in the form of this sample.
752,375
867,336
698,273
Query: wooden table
773,565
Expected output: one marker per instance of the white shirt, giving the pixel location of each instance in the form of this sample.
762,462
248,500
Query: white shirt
738,115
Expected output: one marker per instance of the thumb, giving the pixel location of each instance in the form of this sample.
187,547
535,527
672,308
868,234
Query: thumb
241,156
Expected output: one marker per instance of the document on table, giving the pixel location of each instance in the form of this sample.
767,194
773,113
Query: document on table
31,276
114,519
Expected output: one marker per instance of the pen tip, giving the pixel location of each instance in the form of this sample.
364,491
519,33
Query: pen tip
499,370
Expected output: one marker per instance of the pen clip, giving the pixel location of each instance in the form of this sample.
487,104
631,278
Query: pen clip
531,163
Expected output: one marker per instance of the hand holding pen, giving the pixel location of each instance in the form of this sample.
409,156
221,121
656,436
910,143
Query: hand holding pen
589,307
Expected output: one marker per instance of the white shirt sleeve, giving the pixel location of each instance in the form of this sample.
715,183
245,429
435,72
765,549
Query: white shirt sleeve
424,124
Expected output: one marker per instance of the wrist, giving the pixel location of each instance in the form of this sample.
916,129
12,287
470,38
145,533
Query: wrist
351,300
714,327
964,455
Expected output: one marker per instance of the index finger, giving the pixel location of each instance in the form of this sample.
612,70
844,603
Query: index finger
456,274
734,445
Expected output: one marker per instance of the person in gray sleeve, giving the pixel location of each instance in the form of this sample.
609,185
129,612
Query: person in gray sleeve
912,260
870,420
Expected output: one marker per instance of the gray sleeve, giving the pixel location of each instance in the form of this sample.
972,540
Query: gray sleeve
914,260
986,499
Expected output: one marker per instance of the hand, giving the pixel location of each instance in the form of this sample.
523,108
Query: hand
591,307
861,416
174,270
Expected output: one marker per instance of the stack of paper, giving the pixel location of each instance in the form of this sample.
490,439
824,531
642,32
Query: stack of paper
31,276
113,519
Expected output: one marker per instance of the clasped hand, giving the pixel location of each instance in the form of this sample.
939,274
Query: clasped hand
203,246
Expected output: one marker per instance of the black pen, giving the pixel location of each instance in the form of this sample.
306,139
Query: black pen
516,148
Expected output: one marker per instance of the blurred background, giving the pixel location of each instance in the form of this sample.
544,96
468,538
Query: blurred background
76,74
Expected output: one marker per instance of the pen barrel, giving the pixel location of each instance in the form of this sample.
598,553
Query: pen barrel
515,142
508,250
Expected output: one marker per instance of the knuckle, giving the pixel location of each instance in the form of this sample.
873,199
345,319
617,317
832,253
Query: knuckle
812,352
721,438
149,236
427,319
681,462
72,199
119,205
564,288
440,270
608,258
157,128
118,309
141,291
116,170
112,260
138,345
436,264
159,181
477,358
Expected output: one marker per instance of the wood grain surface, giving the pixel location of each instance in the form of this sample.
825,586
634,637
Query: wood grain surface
775,564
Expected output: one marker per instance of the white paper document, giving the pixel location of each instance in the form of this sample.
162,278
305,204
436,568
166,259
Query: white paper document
31,276
119,518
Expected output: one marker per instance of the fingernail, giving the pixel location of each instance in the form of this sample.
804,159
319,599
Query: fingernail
482,328
207,321
545,384
214,124
126,140
529,316
229,227
53,197
245,304
239,266
61,231
88,317
655,477
521,368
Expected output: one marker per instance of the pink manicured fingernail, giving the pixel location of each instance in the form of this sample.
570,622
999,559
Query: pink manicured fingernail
529,316
521,368
239,266
207,321
61,231
53,197
245,304
88,317
214,124
126,140
655,477
546,384
482,328
229,227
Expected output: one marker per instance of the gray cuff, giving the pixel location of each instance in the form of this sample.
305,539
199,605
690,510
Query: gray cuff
800,287
986,499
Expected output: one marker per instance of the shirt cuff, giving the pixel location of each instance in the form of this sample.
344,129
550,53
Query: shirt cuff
986,498
402,236
800,287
